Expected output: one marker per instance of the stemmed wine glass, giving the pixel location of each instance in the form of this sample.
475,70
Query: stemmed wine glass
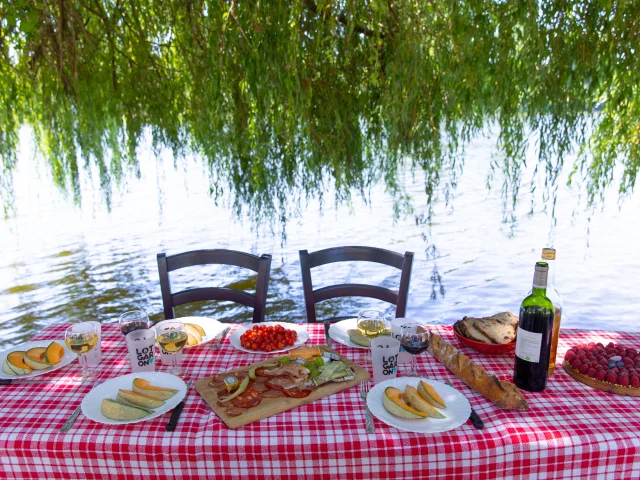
172,337
133,320
80,339
372,323
415,340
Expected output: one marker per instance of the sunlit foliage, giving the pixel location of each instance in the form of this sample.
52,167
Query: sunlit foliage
283,98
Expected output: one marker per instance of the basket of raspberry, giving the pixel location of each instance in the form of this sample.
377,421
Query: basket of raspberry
614,368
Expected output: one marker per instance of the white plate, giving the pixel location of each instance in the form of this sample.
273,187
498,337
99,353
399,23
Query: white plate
67,358
303,336
457,411
211,327
92,402
338,332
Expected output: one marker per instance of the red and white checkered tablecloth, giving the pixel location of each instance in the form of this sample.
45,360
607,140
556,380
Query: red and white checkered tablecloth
570,431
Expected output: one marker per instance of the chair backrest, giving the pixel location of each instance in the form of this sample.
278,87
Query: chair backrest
261,264
363,254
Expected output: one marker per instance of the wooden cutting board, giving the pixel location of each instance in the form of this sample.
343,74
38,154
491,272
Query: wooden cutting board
272,406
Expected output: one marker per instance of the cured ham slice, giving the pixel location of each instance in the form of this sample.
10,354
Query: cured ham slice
293,370
273,394
234,411
259,387
281,383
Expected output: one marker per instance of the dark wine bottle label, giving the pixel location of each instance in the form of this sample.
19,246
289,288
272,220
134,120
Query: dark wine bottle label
528,345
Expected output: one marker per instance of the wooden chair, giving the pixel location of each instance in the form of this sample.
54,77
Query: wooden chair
363,254
261,264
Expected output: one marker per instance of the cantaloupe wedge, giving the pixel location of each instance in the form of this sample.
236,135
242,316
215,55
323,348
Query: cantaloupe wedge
35,358
393,403
54,353
6,368
142,386
429,393
15,360
137,399
412,397
197,327
121,411
193,335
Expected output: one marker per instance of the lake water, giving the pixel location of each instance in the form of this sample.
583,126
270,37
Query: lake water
61,263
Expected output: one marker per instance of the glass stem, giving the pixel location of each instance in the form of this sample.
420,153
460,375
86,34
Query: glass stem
414,364
82,360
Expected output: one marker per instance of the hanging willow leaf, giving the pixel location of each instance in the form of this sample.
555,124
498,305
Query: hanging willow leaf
283,99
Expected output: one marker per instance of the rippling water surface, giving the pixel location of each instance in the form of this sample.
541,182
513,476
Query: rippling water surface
61,263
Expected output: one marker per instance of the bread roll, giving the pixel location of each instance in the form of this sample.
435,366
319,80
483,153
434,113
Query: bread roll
504,394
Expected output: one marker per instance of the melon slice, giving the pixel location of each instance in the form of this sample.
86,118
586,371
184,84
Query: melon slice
416,401
142,386
393,403
193,335
15,360
121,411
35,358
54,353
7,369
429,393
358,338
137,399
197,327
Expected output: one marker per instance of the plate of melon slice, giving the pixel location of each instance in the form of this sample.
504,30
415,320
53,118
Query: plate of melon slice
199,329
418,405
31,359
133,398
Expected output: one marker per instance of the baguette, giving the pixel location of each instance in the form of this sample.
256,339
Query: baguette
504,394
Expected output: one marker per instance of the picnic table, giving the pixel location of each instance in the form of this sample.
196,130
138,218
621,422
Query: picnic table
570,430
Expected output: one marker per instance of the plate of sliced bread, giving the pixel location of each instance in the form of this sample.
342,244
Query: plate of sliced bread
493,335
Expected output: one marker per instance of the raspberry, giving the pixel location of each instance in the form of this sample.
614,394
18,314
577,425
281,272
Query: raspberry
634,381
615,370
623,371
593,364
591,344
576,363
591,372
584,368
600,375
631,352
599,368
611,377
600,345
624,380
610,345
627,361
569,355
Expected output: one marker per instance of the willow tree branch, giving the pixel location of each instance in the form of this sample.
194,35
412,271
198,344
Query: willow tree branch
342,18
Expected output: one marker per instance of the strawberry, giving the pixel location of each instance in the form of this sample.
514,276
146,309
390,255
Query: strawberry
591,372
611,377
584,368
601,375
623,380
634,380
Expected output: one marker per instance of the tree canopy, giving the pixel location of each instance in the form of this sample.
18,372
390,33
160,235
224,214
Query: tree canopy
281,98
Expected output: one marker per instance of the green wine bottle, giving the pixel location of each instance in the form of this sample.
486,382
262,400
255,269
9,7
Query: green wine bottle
535,330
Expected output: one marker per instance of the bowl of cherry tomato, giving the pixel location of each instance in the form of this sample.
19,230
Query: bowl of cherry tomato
268,338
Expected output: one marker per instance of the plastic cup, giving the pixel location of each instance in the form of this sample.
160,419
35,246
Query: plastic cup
141,345
94,356
384,358
396,325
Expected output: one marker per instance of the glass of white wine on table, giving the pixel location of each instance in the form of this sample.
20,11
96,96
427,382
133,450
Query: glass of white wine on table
415,340
172,337
80,339
371,324
133,320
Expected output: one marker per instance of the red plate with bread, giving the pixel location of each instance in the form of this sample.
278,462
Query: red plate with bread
495,335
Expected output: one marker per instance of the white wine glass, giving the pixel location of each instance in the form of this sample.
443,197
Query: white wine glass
371,324
414,339
80,339
172,337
